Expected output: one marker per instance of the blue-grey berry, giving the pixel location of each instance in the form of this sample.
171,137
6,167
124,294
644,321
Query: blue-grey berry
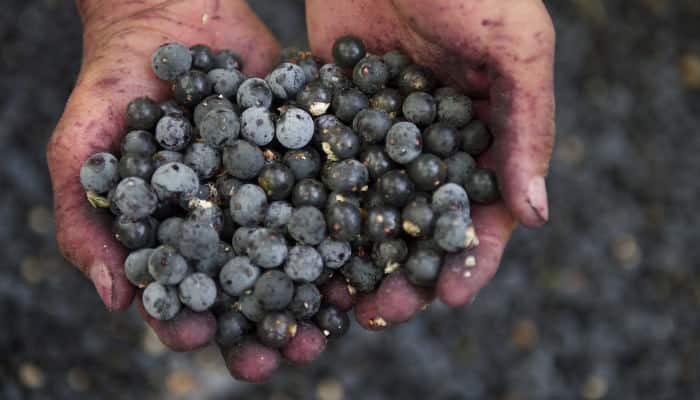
220,127
238,275
454,231
404,142
346,176
136,166
204,159
307,225
348,50
143,113
423,267
212,265
170,60
335,253
304,264
135,233
440,139
166,156
210,103
286,80
295,128
243,160
99,173
395,61
482,186
315,98
370,74
344,221
372,125
277,215
173,132
455,110
377,162
306,301
362,274
231,327
160,301
207,213
197,291
459,166
173,181
191,87
198,241
333,76
139,142
304,163
276,329
228,59
248,205
135,198
274,289
258,125
136,268
348,102
167,266
202,57
419,108
475,138
450,197
269,250
225,81
241,239
254,92
251,306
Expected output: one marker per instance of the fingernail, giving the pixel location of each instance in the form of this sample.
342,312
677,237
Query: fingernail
102,279
537,198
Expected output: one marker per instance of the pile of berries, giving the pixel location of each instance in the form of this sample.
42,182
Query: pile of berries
244,196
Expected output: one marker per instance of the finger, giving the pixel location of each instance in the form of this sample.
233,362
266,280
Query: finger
398,300
337,292
307,344
83,233
189,330
250,361
522,120
464,274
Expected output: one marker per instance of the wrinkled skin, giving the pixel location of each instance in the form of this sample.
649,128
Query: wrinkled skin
499,51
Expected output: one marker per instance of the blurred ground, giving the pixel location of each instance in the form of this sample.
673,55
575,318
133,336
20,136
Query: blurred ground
602,303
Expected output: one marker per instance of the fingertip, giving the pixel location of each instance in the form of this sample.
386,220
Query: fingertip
526,197
250,361
464,274
111,284
306,345
188,331
397,300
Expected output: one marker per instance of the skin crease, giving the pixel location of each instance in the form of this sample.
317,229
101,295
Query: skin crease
498,51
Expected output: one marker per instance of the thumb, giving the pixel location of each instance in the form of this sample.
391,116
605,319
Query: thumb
522,117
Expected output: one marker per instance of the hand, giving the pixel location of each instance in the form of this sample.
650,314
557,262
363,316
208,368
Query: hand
500,52
118,42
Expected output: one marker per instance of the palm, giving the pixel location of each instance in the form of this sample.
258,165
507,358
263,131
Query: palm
494,51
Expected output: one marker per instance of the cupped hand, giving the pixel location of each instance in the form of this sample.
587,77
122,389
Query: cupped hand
500,52
119,38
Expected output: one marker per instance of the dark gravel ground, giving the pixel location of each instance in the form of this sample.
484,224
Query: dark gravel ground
602,303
